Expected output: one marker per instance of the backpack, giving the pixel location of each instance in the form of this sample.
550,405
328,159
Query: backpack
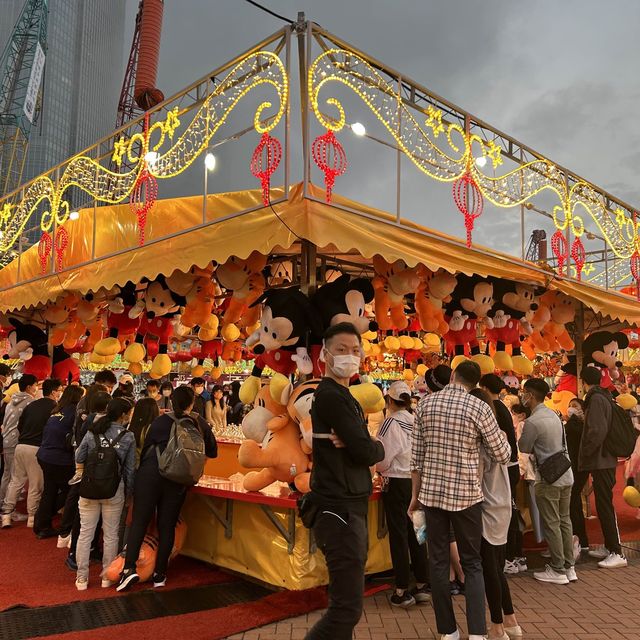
102,472
183,459
621,437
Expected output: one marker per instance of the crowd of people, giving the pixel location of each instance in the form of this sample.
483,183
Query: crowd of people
49,431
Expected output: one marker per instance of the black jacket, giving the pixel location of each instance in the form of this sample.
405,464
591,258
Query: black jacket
199,405
598,411
340,478
160,431
573,429
505,422
32,421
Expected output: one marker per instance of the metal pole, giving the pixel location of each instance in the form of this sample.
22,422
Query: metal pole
399,152
95,207
578,339
304,54
522,230
204,198
606,266
287,116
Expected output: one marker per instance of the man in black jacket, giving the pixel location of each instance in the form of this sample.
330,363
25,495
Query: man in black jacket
25,464
595,459
343,452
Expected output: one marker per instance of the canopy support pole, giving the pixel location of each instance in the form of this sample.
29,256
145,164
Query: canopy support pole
578,339
308,255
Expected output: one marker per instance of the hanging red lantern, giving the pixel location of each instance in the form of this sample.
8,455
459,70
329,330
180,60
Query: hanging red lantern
264,162
579,256
468,199
331,159
62,242
44,251
143,197
635,271
560,249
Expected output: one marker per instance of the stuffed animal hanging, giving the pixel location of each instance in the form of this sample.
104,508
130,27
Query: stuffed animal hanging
265,408
435,288
562,310
392,282
29,343
120,324
600,349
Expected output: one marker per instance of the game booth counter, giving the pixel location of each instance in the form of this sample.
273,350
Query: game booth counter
206,282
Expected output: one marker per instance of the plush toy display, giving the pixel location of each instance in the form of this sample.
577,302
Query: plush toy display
567,377
158,308
435,289
265,408
29,343
392,282
286,325
471,301
600,349
120,324
200,299
562,310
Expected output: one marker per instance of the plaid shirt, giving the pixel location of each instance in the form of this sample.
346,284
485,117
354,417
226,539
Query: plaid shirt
446,437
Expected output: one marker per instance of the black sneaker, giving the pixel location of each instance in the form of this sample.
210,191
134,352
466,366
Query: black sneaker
159,580
46,533
404,601
127,579
71,563
455,588
421,595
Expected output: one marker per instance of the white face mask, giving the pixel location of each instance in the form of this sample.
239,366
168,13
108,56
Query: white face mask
572,411
344,366
166,393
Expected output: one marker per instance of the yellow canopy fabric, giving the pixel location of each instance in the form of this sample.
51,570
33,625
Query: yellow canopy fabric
342,227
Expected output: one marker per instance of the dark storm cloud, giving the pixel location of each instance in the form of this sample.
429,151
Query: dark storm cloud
560,76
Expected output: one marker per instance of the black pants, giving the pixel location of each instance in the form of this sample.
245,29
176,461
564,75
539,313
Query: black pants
467,525
514,537
603,482
402,537
496,585
153,492
575,508
54,493
342,538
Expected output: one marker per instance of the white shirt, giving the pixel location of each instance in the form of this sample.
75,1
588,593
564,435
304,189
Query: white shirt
395,435
496,506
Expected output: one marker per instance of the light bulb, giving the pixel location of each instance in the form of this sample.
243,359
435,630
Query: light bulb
481,161
358,129
210,162
151,157
74,215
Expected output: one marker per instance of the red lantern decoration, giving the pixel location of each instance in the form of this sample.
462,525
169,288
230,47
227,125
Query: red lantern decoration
264,162
331,159
560,250
468,199
579,256
44,251
143,197
62,242
635,271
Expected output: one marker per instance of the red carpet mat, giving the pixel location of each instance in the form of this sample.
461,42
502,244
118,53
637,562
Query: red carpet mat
34,573
628,523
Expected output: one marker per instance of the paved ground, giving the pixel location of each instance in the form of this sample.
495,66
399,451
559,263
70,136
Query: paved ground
602,604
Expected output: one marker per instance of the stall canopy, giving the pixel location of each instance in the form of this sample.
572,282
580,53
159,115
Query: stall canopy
179,236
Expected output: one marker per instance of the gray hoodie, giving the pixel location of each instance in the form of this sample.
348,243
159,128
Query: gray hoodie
12,415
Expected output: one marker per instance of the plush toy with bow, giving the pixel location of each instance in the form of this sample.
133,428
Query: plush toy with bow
434,290
392,282
158,310
471,301
121,326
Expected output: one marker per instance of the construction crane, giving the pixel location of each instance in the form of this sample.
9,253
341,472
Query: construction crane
139,92
537,247
21,72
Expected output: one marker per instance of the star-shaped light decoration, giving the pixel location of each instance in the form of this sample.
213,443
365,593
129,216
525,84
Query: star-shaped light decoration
434,120
119,149
587,270
495,153
172,122
621,218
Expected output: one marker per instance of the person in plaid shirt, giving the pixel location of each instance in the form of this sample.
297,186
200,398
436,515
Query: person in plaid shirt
448,430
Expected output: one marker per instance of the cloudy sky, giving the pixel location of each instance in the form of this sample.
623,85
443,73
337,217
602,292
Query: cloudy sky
562,77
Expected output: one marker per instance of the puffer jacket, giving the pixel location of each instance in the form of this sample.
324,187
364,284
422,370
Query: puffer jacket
14,410
598,409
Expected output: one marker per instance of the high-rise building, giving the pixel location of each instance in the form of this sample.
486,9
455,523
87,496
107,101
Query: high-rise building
83,75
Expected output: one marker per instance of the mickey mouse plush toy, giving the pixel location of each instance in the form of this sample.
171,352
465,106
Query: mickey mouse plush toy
600,349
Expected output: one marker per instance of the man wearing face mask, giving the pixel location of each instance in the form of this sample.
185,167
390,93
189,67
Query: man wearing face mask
197,384
343,452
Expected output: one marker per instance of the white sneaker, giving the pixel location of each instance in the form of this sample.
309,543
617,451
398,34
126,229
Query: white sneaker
550,575
572,576
514,632
576,548
522,564
16,516
477,637
30,521
6,520
511,567
64,542
599,552
613,561
107,583
82,584
450,636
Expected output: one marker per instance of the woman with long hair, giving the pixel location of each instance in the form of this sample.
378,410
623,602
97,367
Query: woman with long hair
406,552
164,401
112,429
155,493
144,413
55,457
236,406
496,517
216,410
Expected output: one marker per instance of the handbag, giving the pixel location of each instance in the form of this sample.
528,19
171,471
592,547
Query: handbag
556,465
307,511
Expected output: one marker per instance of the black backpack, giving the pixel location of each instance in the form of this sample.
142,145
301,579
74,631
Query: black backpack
102,473
621,437
183,459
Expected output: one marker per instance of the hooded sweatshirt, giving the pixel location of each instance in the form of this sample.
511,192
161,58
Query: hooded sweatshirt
14,410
